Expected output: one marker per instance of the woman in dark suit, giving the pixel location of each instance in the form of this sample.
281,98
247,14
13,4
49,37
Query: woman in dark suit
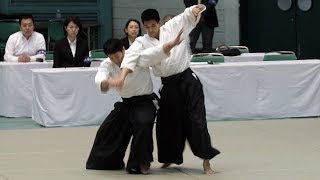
72,50
132,31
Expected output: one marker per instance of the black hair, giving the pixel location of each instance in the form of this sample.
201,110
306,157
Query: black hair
150,14
73,19
127,24
26,16
112,46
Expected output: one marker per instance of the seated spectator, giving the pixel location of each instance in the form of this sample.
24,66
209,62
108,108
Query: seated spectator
25,45
132,31
72,50
167,17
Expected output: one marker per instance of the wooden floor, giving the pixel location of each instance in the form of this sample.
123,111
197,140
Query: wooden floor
284,149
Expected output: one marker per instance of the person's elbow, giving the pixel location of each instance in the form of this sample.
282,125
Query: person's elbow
104,86
11,58
99,85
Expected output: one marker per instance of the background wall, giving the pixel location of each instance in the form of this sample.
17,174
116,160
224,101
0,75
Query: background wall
228,15
113,14
99,11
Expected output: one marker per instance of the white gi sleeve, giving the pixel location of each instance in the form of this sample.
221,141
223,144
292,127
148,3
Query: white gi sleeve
103,73
186,19
136,55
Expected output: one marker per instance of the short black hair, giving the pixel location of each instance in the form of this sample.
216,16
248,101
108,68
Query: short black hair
112,46
127,24
26,16
73,19
150,14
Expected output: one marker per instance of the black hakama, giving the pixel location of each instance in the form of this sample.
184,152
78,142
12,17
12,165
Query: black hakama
181,117
132,117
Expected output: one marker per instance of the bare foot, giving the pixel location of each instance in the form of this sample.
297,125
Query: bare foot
145,169
165,165
206,167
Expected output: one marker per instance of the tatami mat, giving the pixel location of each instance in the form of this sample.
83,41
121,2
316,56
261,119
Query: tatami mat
286,149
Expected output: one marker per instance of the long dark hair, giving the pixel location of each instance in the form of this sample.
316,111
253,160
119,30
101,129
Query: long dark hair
127,24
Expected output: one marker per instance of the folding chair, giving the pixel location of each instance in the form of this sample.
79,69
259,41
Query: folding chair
8,27
49,56
242,49
280,56
96,54
208,57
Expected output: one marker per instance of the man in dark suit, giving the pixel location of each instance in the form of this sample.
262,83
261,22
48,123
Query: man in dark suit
71,51
205,26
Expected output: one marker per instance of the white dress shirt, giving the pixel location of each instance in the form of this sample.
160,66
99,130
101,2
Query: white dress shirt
180,56
73,46
130,42
17,44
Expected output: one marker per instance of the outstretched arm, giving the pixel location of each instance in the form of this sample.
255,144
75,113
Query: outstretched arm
102,77
118,83
168,46
138,55
186,20
145,58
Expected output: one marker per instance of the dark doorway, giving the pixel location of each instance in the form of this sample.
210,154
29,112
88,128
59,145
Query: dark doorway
275,25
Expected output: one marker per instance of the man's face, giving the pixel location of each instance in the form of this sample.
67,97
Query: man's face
117,57
152,27
27,27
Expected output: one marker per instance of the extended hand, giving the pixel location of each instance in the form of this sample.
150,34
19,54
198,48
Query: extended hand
176,41
198,9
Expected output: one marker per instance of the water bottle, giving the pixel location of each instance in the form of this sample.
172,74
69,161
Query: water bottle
58,14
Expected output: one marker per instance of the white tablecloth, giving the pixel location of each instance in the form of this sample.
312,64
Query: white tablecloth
255,90
69,97
247,90
16,87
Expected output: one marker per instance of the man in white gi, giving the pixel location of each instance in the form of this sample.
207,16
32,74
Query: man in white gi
132,117
25,45
182,114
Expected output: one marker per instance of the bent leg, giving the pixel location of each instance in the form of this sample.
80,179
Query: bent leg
196,123
142,117
111,141
170,136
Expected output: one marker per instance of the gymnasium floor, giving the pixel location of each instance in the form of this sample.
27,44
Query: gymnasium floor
284,149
